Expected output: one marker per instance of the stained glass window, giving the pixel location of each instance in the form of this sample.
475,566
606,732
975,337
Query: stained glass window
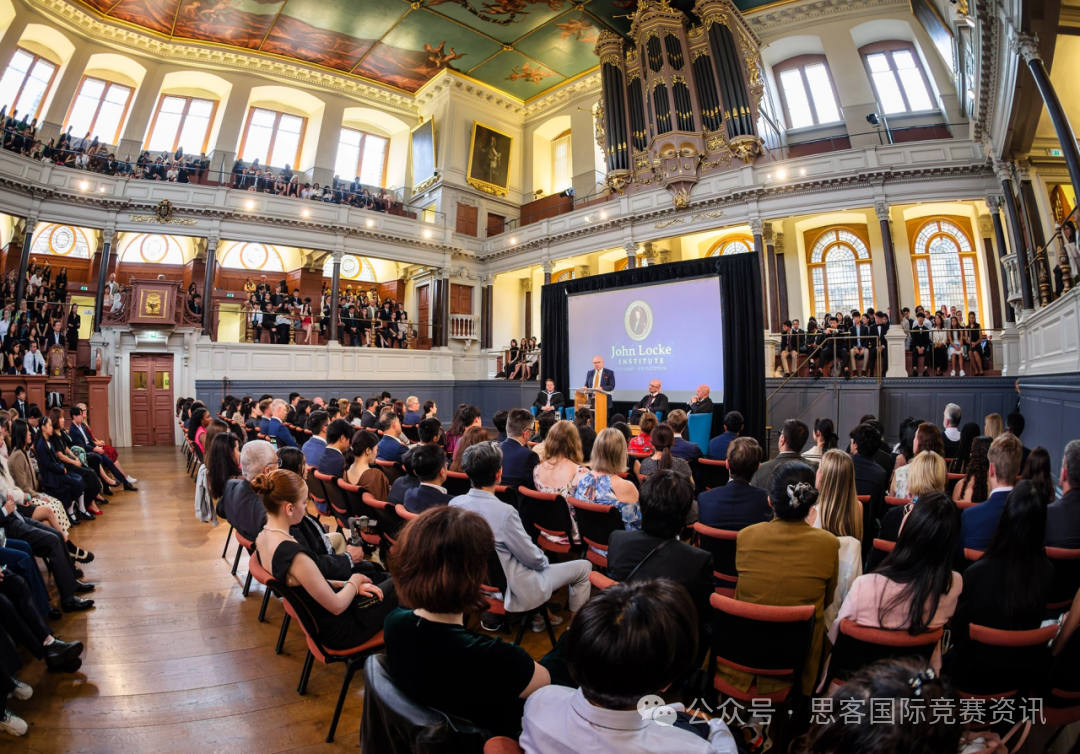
841,277
946,268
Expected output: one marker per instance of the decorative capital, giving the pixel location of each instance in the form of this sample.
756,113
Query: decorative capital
442,272
1027,46
488,279
28,225
756,226
1023,170
630,248
778,243
548,266
1003,170
107,234
993,202
882,211
527,285
337,254
986,226
767,233
212,242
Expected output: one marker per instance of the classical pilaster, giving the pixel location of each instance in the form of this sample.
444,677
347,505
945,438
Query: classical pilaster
107,236
208,283
881,209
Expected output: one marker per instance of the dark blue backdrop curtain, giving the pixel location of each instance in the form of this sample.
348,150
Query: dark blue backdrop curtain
742,322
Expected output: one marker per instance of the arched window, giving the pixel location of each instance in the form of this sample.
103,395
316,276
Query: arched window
562,171
26,82
737,244
352,268
61,241
945,267
99,109
151,248
181,121
567,274
253,256
840,275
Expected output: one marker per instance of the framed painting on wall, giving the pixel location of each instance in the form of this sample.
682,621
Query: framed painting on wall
489,160
423,155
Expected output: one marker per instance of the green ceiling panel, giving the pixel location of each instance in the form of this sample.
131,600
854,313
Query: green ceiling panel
566,44
505,20
517,74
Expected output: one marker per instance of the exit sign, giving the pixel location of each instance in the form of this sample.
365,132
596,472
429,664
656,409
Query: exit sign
1055,152
230,295
83,288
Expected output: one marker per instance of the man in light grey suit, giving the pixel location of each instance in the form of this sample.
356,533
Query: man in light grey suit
530,578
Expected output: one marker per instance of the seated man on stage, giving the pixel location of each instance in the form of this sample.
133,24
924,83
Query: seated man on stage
861,342
701,403
653,402
549,399
790,343
834,348
879,348
598,377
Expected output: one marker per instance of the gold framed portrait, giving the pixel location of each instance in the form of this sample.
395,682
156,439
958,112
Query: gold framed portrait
490,152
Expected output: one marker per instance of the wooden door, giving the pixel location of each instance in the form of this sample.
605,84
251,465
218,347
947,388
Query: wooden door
461,297
467,220
423,316
152,399
496,224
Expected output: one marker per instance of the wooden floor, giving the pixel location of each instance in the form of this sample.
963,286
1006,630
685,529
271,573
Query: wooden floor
175,657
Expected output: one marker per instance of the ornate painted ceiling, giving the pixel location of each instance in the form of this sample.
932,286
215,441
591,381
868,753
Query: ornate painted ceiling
521,47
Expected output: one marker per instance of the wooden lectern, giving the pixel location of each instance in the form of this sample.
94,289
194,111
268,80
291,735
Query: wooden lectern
595,399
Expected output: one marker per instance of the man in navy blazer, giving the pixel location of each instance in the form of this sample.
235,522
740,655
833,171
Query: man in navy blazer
978,522
518,458
394,444
314,448
1063,515
737,504
429,465
338,436
733,425
606,378
684,449
276,428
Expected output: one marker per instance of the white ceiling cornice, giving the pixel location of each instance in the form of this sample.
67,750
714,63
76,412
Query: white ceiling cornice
784,19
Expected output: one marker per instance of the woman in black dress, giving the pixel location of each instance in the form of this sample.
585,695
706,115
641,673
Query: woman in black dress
348,613
73,324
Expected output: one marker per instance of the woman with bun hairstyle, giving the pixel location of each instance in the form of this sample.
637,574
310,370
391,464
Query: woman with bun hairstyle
807,558
348,613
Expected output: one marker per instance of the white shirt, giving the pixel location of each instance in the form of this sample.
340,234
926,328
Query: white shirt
422,484
33,363
952,433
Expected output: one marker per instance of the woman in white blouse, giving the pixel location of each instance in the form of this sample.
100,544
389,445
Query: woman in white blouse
839,512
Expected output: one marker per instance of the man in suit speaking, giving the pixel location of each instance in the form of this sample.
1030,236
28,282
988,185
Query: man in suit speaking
598,377
654,401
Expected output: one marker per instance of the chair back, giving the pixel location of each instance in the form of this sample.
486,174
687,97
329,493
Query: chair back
457,483
858,646
1066,576
600,581
699,428
247,544
255,566
316,490
864,499
358,507
761,639
394,722
971,555
507,493
954,477
721,543
392,469
596,523
996,663
545,513
389,521
411,431
335,496
897,500
713,473
404,513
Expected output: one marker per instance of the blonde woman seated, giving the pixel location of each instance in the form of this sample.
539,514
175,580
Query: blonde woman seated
839,512
343,610
927,473
602,484
561,470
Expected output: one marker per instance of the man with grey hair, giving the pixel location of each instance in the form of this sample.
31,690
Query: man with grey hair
1063,515
276,428
413,414
530,578
519,460
952,430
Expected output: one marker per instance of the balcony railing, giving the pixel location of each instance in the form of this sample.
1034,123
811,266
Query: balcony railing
464,327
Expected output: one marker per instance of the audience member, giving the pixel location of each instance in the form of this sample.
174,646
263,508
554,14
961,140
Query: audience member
429,466
733,426
975,486
978,522
603,483
807,557
951,425
222,463
530,578
430,430
641,444
923,436
1014,424
737,504
792,440
1037,470
466,416
412,410
662,458
1063,515
825,439
339,435
439,564
561,470
544,423
472,436
840,513
317,423
631,641
927,474
406,481
519,460
993,426
499,422
360,467
968,433
393,444
276,428
870,478
688,451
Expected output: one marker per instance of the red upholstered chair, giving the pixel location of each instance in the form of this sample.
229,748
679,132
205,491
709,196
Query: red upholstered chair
721,543
761,639
600,581
508,494
264,577
411,431
713,473
225,549
404,513
964,504
392,469
884,545
456,483
545,513
496,584
864,499
353,657
858,646
390,522
502,745
897,500
316,491
1060,691
972,555
335,497
954,477
1066,576
596,523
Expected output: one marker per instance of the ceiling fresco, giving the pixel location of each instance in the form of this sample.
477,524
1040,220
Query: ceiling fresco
521,47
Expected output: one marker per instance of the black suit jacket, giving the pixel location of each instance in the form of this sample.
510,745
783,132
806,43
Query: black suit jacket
870,479
704,406
20,406
423,497
878,332
659,403
402,485
1063,521
518,464
690,566
368,420
607,379
734,506
557,400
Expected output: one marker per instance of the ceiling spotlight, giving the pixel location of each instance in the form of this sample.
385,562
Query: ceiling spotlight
873,119
84,185
304,213
781,174
603,215
802,171
513,240
371,223
768,176
251,205
427,234
101,189
588,219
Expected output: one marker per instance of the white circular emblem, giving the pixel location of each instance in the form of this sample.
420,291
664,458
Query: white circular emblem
638,320
350,266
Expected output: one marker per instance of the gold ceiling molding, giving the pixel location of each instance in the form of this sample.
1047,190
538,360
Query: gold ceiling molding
787,14
207,53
